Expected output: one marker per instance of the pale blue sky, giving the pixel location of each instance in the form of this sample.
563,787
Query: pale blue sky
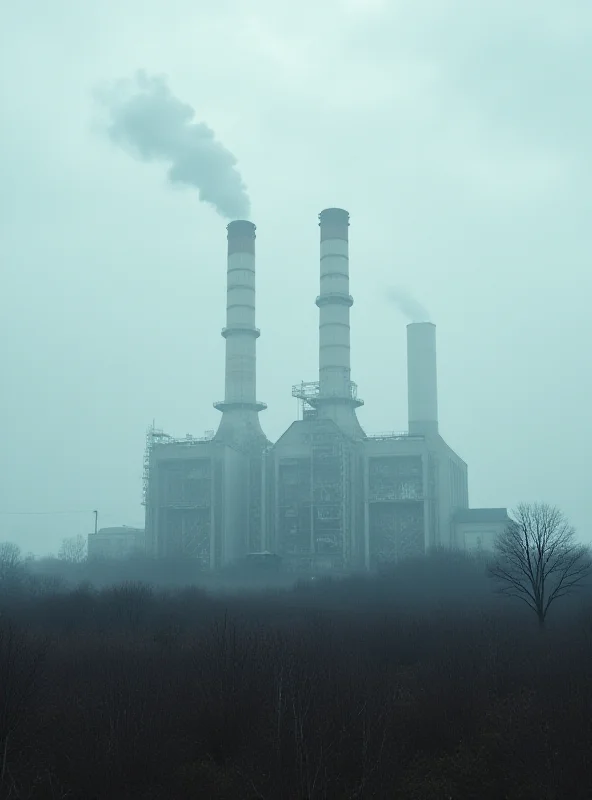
456,134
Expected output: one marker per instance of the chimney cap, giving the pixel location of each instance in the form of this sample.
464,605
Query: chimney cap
239,228
334,216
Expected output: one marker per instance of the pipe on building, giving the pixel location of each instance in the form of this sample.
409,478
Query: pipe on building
422,378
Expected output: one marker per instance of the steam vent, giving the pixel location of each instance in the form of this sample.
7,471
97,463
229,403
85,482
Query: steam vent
327,496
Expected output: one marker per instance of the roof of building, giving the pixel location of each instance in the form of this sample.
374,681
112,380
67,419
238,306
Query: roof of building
119,530
299,431
481,515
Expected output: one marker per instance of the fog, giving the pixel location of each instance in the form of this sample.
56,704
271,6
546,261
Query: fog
457,136
419,682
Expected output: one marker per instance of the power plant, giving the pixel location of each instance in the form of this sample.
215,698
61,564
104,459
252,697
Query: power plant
327,496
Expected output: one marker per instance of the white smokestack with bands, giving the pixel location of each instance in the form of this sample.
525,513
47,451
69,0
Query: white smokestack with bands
422,378
337,398
334,302
240,407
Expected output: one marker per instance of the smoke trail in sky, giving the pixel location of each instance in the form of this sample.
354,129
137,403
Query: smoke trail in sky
145,118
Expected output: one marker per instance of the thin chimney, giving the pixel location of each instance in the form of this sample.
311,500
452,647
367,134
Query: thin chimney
422,378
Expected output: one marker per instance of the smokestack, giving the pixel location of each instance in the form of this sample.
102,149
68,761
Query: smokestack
334,302
240,408
422,380
337,395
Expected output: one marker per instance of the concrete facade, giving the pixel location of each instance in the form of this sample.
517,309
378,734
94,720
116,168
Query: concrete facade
414,483
318,502
204,501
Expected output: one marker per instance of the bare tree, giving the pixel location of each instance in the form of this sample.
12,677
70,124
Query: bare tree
11,561
73,549
538,559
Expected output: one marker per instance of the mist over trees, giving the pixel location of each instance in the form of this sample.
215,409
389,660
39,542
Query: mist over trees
73,549
11,561
419,683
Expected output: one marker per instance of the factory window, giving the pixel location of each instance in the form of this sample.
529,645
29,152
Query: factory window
330,512
327,544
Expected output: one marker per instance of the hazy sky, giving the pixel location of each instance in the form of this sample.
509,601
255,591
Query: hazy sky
457,134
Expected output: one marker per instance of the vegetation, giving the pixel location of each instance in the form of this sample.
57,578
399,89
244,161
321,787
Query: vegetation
73,549
538,559
416,684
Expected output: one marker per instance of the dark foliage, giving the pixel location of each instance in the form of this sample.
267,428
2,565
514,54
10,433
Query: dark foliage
418,683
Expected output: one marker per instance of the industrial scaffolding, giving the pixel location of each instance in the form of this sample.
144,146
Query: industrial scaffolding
294,509
314,515
177,494
309,393
153,436
330,479
396,500
185,508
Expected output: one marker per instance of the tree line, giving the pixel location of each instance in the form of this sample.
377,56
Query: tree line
420,683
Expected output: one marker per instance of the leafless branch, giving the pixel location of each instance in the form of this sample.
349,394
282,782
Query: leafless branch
538,559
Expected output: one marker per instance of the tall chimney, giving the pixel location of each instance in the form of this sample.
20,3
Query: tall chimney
240,408
334,302
337,395
422,379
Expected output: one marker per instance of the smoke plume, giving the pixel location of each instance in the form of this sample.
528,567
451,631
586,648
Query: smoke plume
146,119
408,305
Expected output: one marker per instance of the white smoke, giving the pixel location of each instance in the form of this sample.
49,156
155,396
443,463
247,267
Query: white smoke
145,118
407,304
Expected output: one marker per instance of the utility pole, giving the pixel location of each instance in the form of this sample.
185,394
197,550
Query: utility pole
96,513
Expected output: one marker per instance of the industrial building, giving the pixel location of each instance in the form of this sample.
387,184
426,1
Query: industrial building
327,495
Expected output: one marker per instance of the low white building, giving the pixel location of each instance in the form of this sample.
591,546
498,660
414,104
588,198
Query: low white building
118,542
476,529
